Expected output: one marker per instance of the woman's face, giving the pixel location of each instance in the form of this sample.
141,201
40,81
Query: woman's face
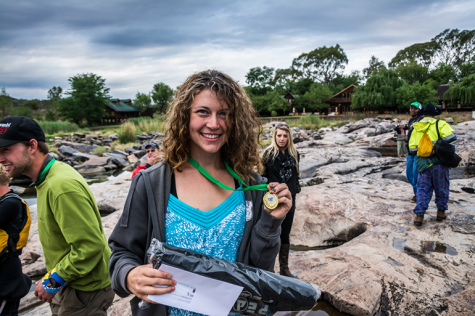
207,123
281,138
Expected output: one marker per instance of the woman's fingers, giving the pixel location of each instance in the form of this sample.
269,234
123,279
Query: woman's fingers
144,280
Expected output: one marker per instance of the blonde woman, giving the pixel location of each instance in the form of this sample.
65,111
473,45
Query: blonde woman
212,126
281,164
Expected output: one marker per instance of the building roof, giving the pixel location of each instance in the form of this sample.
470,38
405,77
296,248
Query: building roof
122,107
344,90
441,90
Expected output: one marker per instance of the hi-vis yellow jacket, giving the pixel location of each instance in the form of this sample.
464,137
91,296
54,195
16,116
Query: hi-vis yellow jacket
7,242
427,125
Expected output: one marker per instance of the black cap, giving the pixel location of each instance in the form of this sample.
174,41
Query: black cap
14,129
429,110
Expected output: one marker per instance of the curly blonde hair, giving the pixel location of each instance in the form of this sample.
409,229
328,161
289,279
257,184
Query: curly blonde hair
4,178
240,150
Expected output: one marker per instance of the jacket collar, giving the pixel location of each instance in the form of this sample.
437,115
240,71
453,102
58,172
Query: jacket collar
44,170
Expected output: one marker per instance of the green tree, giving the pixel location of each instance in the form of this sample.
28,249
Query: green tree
463,92
282,76
412,72
261,79
54,96
316,97
455,47
277,103
23,111
379,92
5,103
32,104
86,99
465,70
143,101
161,94
321,64
421,53
408,93
442,74
375,65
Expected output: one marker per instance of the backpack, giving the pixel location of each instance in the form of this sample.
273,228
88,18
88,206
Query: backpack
445,151
12,243
425,148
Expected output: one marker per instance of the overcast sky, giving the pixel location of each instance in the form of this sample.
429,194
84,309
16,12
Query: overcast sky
135,44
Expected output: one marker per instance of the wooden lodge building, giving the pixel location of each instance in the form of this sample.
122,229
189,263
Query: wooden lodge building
340,103
118,111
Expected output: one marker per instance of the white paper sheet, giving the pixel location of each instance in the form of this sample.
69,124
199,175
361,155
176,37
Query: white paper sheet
198,294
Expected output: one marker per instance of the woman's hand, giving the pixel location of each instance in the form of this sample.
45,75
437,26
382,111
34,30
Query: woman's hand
141,281
285,199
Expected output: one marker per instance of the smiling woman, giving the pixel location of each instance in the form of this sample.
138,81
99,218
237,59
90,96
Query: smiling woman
204,193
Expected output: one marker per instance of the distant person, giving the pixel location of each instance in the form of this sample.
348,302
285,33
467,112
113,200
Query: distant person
433,176
14,228
69,224
153,153
411,165
281,164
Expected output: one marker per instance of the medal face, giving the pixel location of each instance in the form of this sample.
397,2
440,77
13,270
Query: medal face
271,200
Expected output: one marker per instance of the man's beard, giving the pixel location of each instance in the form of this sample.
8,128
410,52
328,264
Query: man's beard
21,167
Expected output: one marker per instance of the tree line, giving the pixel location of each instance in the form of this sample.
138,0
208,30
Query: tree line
312,78
412,75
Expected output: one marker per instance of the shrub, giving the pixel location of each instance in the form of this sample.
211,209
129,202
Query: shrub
360,116
127,133
273,113
57,127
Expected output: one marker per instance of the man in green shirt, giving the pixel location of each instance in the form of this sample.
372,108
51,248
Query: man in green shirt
69,223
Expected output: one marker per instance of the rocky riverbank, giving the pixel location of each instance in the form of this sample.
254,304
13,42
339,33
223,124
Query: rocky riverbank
355,200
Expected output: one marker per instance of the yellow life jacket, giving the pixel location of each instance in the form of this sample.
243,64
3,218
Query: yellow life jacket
7,241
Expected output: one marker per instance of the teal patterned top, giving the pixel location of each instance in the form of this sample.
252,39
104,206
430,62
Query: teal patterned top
217,233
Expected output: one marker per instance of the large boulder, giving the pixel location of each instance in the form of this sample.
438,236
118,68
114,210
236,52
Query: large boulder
66,151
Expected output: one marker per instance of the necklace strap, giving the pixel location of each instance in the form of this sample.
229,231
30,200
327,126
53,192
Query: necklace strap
260,187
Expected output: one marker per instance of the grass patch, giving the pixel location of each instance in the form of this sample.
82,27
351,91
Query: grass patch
147,124
313,122
56,127
127,133
99,151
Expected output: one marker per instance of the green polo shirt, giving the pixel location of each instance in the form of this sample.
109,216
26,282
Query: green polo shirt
70,229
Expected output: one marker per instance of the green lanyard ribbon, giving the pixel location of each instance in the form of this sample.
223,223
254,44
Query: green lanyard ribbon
260,187
45,170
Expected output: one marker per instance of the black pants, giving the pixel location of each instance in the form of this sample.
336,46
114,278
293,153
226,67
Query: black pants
10,308
287,225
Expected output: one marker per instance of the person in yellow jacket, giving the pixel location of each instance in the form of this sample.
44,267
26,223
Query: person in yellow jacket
433,176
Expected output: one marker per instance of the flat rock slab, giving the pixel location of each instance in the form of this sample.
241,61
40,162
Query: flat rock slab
384,264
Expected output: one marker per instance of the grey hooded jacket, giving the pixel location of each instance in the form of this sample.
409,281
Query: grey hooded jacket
133,233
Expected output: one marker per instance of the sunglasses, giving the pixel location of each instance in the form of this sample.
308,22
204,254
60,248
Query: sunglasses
151,150
282,124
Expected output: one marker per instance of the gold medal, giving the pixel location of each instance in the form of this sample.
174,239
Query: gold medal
271,200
